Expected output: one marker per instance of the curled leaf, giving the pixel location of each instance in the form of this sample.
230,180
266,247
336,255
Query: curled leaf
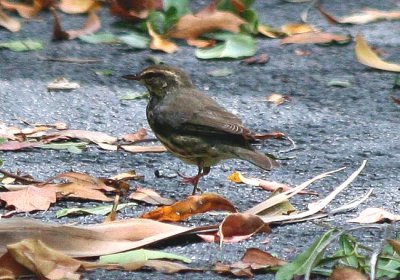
158,42
374,215
195,204
367,56
9,23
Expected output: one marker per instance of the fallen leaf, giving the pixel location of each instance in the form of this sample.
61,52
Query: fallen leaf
81,185
300,52
72,147
44,261
134,137
85,135
237,269
143,149
297,28
200,43
92,25
61,83
235,46
348,273
25,11
9,23
395,244
30,199
150,196
133,10
316,38
128,175
194,204
365,16
277,99
11,269
258,59
339,83
192,26
106,38
140,255
22,45
89,240
374,215
395,99
77,6
259,259
16,145
365,55
270,32
237,227
158,42
135,40
101,210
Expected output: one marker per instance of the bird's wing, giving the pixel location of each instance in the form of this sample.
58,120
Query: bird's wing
200,113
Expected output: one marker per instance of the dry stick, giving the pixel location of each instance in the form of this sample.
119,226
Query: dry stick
69,59
19,178
323,203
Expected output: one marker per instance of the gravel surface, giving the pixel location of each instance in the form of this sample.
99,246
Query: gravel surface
332,126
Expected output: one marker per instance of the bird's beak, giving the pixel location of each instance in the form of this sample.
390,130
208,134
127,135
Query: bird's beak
132,77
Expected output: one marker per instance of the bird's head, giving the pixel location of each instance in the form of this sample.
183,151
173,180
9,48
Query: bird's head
161,79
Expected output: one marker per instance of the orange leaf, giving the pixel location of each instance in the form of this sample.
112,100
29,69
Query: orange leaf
160,43
192,26
260,259
134,137
200,43
150,196
77,6
367,56
340,273
25,11
30,199
315,38
45,262
133,9
195,204
9,23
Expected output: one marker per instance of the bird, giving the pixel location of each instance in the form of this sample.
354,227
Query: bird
192,125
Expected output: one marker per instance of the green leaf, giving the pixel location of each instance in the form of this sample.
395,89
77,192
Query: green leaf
180,7
135,40
348,252
98,38
104,72
396,82
226,5
238,45
339,83
158,21
141,255
72,147
101,210
388,263
252,22
221,72
22,46
301,263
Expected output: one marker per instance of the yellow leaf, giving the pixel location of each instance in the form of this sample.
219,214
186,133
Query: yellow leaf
367,56
297,28
160,43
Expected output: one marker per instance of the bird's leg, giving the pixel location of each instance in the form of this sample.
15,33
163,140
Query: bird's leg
195,179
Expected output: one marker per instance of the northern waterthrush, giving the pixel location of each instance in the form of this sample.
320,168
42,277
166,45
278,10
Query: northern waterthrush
192,126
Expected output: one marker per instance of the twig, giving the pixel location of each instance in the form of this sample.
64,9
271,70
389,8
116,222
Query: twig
19,178
69,59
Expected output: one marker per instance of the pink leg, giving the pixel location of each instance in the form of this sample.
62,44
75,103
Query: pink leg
195,179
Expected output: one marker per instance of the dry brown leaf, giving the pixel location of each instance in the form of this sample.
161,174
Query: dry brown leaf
134,137
348,273
150,196
316,38
259,259
143,149
82,186
91,240
238,269
61,83
258,59
160,43
368,57
374,215
270,32
85,135
11,269
200,43
9,23
297,28
395,244
77,6
395,99
277,98
365,16
16,145
45,262
25,11
192,26
133,9
128,175
30,199
237,227
92,25
237,177
194,204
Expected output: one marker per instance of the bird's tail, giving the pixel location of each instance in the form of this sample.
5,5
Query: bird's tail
257,159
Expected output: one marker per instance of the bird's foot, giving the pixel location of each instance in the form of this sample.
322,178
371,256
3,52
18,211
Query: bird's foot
192,180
